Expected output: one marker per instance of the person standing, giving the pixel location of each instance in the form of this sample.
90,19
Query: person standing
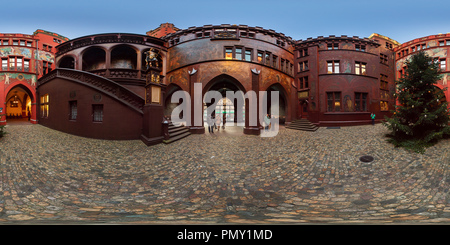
210,123
218,122
372,116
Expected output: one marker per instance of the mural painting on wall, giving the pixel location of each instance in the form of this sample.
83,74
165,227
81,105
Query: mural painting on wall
269,78
347,46
347,66
178,77
436,52
348,104
9,78
46,56
6,51
239,71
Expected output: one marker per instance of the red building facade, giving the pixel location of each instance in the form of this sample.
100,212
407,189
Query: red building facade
437,47
342,80
25,58
103,88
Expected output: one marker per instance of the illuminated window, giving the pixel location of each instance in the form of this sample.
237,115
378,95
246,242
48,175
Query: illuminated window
333,66
333,101
360,68
97,113
12,63
260,56
228,53
44,106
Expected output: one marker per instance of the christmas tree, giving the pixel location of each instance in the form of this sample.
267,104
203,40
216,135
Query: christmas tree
421,118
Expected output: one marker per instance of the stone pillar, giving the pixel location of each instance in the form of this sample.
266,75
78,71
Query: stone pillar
153,118
253,129
196,105
2,103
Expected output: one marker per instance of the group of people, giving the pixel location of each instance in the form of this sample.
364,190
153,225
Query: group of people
214,122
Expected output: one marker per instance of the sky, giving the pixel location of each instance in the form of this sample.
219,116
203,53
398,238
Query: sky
400,20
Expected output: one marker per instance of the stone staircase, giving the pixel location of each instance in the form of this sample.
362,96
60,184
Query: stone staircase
302,124
176,133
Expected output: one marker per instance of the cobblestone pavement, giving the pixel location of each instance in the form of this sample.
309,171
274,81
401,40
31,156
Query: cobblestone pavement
294,178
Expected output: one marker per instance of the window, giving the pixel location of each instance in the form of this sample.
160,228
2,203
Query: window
333,46
19,63
361,48
333,101
360,68
22,42
73,110
4,64
383,59
441,43
282,65
12,63
443,65
303,52
333,66
97,113
15,42
267,58
303,82
238,53
29,44
26,65
248,55
228,53
44,106
360,101
260,56
46,67
303,66
274,61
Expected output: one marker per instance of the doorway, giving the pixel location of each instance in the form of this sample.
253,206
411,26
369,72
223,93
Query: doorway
18,108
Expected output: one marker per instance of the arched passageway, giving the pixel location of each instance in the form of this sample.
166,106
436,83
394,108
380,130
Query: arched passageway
282,102
229,109
20,106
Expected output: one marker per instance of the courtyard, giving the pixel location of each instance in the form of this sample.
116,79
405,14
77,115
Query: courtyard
297,177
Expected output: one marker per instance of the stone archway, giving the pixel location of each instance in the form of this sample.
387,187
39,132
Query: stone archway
20,105
282,101
231,105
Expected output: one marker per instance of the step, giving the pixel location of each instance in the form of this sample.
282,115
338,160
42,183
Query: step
178,137
182,131
175,129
